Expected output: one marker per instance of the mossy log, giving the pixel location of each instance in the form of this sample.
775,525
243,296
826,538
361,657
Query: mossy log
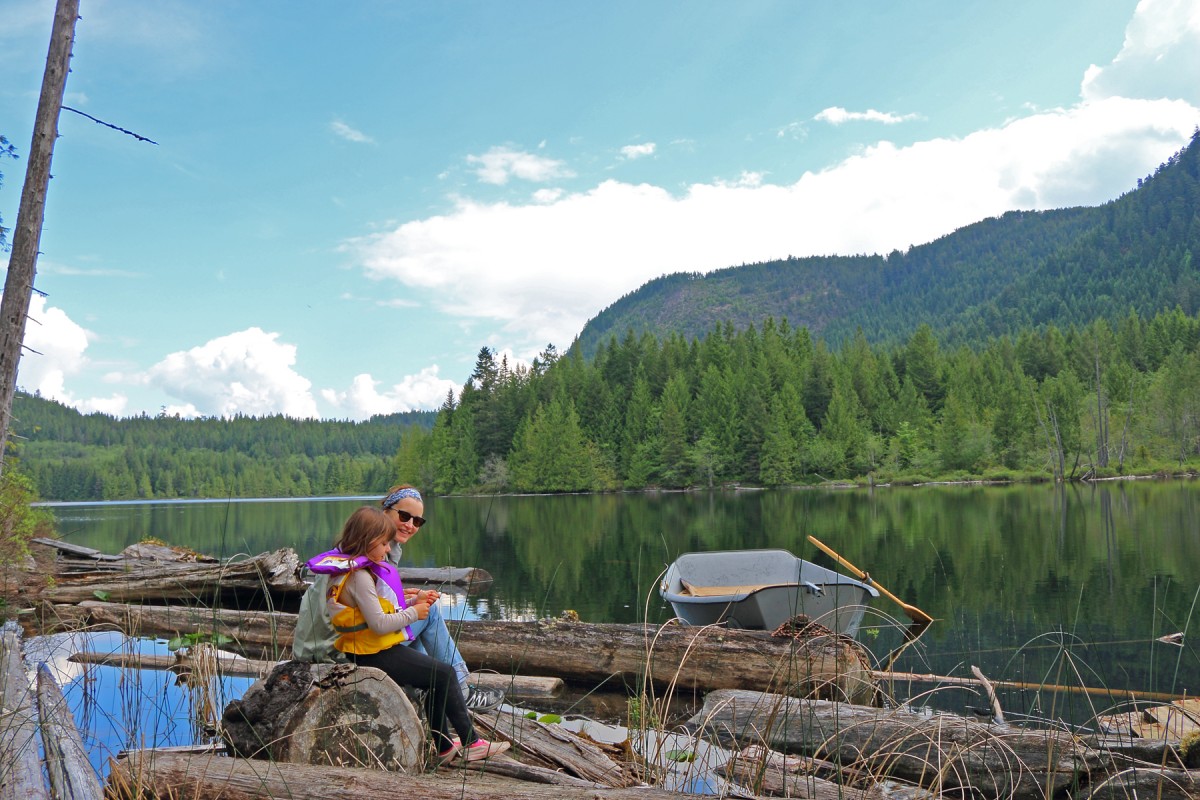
941,752
330,714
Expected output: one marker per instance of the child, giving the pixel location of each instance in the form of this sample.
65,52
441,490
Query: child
371,618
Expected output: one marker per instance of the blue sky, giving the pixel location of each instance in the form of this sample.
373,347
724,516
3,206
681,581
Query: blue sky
347,201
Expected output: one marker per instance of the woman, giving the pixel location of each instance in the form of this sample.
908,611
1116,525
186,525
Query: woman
405,507
372,617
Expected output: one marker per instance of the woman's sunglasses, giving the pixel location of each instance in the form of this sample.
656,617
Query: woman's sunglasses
407,517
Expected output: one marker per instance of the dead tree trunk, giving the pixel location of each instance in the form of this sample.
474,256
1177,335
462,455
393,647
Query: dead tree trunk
27,235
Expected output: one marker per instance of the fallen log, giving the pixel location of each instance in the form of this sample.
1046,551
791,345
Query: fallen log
20,767
549,746
141,580
175,571
941,752
671,655
70,771
207,777
231,665
1146,781
775,775
333,714
592,653
255,634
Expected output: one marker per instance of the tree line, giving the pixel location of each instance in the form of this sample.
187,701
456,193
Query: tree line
773,405
74,456
767,405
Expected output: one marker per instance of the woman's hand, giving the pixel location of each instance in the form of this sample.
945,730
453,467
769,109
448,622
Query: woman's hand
422,610
428,596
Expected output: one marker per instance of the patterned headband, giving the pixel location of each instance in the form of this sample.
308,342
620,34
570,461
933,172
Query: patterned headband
400,494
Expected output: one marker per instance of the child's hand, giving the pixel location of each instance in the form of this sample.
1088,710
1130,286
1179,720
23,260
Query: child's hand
428,596
422,610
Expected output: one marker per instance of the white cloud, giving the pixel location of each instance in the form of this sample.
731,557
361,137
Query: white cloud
55,351
363,399
543,269
499,164
835,115
248,372
350,134
793,130
547,195
632,151
1159,58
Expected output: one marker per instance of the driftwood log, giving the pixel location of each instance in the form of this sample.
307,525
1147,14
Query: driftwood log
330,714
772,781
941,752
67,764
140,580
183,662
766,772
174,573
549,746
20,767
671,655
256,634
1160,783
206,777
692,658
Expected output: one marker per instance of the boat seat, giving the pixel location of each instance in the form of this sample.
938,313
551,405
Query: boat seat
718,591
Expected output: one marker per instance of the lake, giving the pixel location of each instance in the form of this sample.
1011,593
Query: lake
1064,585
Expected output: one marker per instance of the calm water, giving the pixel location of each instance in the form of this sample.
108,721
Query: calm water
1031,583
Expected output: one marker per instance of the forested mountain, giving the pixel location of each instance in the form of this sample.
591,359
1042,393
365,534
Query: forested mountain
995,277
1037,345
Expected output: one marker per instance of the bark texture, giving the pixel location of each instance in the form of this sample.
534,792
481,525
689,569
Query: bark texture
331,714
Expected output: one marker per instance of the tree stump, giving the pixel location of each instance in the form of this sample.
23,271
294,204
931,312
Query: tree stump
327,714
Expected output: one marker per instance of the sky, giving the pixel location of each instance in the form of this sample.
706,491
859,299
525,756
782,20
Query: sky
345,202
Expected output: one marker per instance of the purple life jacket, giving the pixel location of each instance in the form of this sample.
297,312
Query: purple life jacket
335,562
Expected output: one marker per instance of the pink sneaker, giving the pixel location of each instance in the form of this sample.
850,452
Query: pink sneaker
480,749
449,754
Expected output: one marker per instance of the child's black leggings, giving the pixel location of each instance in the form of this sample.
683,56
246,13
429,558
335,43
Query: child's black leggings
443,694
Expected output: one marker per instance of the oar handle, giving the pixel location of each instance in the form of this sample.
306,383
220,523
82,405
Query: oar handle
914,613
829,551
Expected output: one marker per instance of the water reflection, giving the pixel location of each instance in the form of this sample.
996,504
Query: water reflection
1042,584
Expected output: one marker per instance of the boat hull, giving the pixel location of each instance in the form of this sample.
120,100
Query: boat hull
762,589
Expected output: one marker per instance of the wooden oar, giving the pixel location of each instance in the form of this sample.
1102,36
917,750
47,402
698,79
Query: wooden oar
913,613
